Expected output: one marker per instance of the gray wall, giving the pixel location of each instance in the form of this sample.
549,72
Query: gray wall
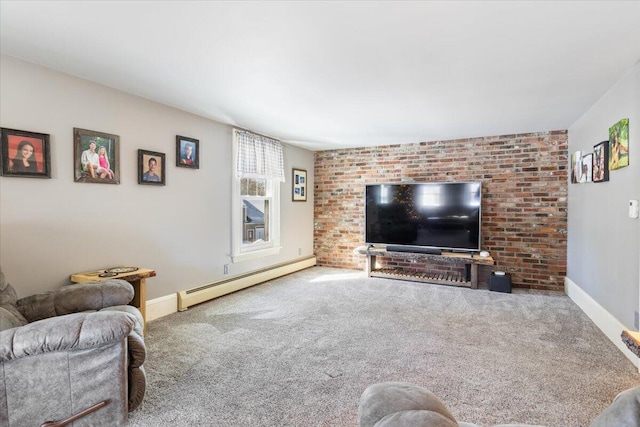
50,229
603,250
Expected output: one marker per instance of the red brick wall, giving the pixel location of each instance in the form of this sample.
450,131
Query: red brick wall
524,198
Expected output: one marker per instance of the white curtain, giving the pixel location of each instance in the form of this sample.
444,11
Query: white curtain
259,156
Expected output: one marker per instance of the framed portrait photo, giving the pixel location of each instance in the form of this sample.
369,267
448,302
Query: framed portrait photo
25,154
601,162
151,168
299,185
187,152
96,156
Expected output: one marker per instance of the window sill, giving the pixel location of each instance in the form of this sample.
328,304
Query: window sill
255,254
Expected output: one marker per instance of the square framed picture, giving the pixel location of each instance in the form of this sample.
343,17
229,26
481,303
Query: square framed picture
619,145
151,168
25,154
96,156
187,152
601,162
299,185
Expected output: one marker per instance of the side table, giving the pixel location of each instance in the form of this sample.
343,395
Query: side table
136,278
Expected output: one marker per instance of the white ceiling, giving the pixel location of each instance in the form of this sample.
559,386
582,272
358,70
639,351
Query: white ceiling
330,74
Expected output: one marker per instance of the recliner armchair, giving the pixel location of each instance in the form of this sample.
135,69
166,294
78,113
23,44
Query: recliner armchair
75,354
402,404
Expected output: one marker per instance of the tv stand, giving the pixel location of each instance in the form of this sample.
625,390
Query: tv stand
471,262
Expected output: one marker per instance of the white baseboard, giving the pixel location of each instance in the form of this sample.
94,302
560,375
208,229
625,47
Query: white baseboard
169,304
234,283
160,307
608,324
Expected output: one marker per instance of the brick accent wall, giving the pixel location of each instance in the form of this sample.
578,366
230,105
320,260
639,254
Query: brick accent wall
524,198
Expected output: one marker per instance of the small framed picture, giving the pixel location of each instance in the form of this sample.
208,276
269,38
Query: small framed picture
587,168
96,156
151,168
601,162
299,185
576,167
25,154
187,152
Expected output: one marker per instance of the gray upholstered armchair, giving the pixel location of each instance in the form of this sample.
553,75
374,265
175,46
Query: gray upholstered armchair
401,404
73,354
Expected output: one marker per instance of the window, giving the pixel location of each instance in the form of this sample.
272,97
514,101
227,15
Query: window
258,172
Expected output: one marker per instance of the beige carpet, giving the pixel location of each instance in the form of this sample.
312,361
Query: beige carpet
299,351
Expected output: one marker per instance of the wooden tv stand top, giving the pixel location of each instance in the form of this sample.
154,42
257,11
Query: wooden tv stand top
470,257
466,258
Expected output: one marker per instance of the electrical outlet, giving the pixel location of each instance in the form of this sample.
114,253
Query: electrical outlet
299,251
226,269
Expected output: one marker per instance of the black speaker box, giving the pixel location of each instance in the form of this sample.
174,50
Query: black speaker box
500,283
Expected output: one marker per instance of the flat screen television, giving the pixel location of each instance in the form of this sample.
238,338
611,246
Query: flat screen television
424,217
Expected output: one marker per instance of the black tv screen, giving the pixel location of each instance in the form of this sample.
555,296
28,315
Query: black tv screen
439,215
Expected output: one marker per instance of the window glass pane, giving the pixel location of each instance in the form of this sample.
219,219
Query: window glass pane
261,187
244,186
252,188
255,221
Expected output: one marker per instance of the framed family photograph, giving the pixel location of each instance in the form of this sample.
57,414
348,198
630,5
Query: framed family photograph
299,185
25,154
96,156
601,162
187,152
151,168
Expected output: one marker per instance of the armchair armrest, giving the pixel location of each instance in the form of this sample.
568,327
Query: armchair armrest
76,298
73,332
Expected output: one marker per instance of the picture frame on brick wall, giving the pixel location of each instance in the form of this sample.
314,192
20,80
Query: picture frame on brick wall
576,167
601,162
587,168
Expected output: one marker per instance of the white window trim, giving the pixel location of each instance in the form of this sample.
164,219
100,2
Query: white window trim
259,253
238,252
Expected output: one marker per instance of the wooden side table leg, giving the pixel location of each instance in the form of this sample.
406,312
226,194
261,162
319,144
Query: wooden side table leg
474,276
371,264
140,300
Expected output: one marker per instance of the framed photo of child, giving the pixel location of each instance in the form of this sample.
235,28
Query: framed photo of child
187,152
151,168
25,154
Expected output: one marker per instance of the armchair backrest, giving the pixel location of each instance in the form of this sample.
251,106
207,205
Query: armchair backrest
75,298
10,317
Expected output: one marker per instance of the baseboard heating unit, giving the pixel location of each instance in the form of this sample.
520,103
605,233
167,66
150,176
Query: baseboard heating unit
225,286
